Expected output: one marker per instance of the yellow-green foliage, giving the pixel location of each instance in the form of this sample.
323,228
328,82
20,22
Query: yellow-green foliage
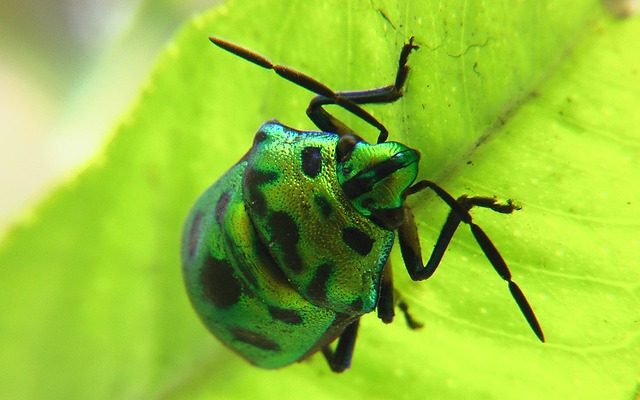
534,101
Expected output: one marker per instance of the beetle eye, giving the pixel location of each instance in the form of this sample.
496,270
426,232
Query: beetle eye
345,146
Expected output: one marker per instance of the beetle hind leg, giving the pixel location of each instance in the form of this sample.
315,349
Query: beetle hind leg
404,307
389,298
340,359
386,297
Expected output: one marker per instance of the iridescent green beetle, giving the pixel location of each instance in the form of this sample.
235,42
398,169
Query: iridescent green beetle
285,252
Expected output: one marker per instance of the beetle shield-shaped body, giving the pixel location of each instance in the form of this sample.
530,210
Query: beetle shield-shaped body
282,253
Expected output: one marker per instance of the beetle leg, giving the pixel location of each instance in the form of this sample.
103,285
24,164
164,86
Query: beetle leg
389,298
410,244
328,123
386,94
386,295
404,307
309,83
340,360
348,100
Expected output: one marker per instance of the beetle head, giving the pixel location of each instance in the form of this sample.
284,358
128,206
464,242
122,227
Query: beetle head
375,177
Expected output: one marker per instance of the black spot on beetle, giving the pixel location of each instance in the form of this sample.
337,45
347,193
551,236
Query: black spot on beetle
284,231
311,161
194,234
323,203
356,305
258,177
221,206
317,289
290,317
283,227
252,181
260,137
219,283
254,338
357,240
258,202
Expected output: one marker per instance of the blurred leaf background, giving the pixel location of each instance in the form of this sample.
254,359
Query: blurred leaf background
68,70
531,101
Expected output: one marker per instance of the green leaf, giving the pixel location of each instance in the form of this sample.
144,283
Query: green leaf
537,102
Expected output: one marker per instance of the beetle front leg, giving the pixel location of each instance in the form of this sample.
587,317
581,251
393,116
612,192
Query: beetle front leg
340,360
326,95
350,100
412,255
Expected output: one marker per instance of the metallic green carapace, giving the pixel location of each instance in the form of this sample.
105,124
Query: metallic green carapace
287,250
277,260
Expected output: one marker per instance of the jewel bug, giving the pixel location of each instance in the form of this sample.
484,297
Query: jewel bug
289,248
